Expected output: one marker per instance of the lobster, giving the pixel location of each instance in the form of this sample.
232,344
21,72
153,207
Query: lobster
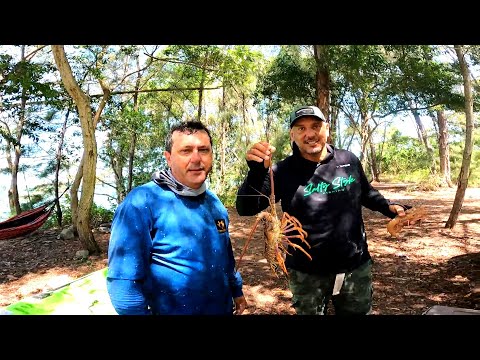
412,215
275,233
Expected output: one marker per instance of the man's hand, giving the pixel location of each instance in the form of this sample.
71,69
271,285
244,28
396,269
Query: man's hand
261,151
410,217
240,305
397,209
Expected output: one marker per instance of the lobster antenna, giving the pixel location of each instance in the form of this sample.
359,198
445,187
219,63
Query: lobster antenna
272,190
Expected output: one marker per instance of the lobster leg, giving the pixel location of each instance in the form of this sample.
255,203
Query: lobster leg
296,246
290,223
281,262
250,236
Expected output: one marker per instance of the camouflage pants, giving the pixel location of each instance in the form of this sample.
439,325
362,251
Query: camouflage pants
312,293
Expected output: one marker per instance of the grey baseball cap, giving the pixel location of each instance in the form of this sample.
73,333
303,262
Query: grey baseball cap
306,111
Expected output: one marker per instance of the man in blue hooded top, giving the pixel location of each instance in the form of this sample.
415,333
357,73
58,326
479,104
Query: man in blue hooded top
170,250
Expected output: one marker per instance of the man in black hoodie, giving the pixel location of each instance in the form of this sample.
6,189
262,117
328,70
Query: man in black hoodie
325,189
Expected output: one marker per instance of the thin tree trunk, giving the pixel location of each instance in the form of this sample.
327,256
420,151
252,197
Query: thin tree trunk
223,139
133,139
467,151
422,134
58,159
8,152
74,194
200,90
13,195
373,161
443,148
364,135
116,163
16,159
131,157
335,136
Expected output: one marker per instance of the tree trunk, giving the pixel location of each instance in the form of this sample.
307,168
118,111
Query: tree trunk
13,198
201,88
223,138
422,134
467,151
131,157
443,148
16,159
364,135
58,161
116,163
13,195
133,139
335,136
373,162
323,85
89,157
74,195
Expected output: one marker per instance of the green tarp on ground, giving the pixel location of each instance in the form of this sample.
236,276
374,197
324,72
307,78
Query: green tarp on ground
84,296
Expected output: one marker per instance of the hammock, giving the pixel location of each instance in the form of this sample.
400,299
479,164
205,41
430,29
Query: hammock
26,222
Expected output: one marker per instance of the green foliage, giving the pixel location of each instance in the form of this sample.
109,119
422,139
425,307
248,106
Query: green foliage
417,75
457,145
27,92
100,215
289,80
403,155
126,126
228,193
66,217
474,180
405,159
416,180
421,180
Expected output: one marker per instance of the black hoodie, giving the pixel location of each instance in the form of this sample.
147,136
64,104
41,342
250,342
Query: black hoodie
327,198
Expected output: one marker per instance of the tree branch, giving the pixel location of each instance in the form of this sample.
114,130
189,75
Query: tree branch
156,90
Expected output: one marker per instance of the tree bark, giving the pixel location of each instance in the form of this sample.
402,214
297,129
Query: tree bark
223,138
116,163
201,88
422,134
467,151
373,161
133,138
13,195
443,148
89,158
322,77
58,161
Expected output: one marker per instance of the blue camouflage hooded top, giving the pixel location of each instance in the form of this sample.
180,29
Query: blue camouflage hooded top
171,254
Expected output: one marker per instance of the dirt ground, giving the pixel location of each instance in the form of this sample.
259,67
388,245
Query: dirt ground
426,265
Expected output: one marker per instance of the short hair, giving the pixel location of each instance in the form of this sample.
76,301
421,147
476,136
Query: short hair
188,127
